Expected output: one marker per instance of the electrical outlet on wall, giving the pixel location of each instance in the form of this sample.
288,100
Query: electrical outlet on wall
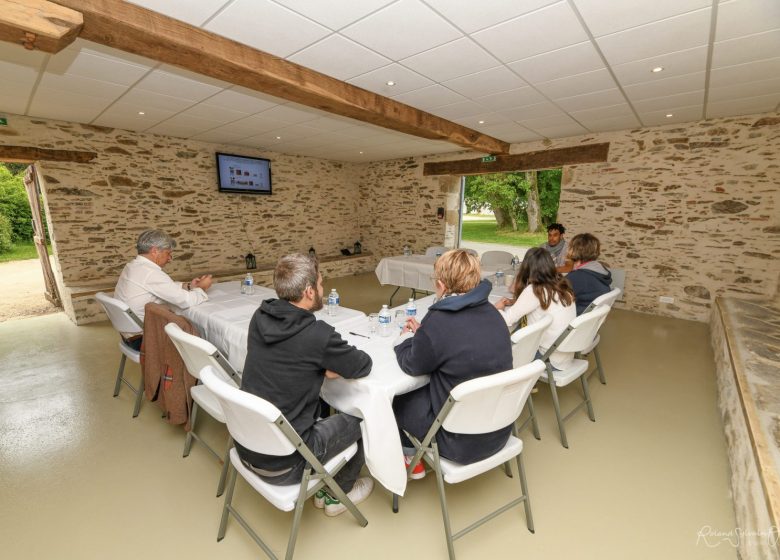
666,299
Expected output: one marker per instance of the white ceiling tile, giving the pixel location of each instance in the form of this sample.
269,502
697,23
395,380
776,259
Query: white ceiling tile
297,131
668,86
405,80
334,14
536,123
167,83
535,111
64,112
673,64
242,100
328,124
550,28
17,54
179,131
560,63
687,99
125,111
146,100
745,106
194,12
741,90
679,115
509,132
604,98
402,29
577,85
18,73
737,18
124,122
625,122
746,49
191,121
339,57
266,26
487,82
362,131
458,110
472,16
458,58
218,136
620,110
76,84
490,119
510,99
428,97
562,131
654,39
607,16
254,124
750,72
288,113
250,143
14,99
88,65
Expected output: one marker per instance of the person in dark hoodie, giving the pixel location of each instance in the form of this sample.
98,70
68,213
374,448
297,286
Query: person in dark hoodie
289,355
460,338
589,278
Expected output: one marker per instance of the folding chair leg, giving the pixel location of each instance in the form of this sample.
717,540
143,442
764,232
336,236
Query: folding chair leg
297,515
139,394
557,407
225,465
189,438
120,371
395,503
231,485
529,519
443,501
602,378
534,421
588,402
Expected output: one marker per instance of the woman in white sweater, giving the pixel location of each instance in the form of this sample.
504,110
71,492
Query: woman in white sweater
540,290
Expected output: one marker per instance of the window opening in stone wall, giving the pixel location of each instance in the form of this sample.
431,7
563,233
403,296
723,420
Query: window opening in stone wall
509,211
22,283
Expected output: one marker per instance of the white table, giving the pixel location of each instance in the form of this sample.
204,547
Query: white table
224,319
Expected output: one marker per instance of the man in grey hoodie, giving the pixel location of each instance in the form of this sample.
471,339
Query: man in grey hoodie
589,278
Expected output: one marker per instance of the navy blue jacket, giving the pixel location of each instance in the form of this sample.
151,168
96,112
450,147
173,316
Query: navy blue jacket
589,283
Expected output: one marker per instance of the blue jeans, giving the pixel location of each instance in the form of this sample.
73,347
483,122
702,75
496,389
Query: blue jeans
326,439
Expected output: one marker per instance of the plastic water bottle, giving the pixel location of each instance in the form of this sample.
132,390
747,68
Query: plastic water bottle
384,321
411,308
248,285
333,302
499,278
407,251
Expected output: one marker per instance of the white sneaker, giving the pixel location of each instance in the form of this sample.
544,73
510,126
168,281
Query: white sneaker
360,491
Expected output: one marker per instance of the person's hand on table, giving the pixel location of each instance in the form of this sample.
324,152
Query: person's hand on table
502,303
202,282
411,325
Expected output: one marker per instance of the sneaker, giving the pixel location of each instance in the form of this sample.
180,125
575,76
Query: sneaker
319,498
360,491
419,469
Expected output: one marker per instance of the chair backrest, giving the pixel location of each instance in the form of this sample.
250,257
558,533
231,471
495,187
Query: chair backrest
607,299
581,331
618,278
198,353
121,316
489,403
525,341
497,258
431,251
250,419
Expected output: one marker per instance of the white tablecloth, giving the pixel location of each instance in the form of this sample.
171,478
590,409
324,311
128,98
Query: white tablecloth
415,272
224,319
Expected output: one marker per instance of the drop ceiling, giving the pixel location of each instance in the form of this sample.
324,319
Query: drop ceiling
515,70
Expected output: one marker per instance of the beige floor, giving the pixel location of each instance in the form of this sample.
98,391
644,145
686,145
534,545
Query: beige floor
80,479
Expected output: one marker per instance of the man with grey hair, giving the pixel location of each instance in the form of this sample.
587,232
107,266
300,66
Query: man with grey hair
143,281
289,355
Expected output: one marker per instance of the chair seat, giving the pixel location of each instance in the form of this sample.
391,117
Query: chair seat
590,347
284,497
125,348
208,402
455,472
565,376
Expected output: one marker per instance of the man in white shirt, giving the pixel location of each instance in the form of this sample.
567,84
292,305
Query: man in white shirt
143,281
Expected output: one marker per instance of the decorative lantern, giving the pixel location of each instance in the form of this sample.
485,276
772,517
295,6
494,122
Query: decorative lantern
312,252
358,248
251,263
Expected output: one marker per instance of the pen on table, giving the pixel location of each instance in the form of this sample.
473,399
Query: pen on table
358,334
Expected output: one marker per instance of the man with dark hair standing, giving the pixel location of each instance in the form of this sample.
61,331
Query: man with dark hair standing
557,247
290,353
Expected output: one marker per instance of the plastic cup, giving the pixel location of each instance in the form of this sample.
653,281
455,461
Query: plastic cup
373,320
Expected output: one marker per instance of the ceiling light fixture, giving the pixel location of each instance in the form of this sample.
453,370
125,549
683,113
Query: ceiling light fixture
481,122
360,152
141,113
278,137
668,115
390,83
657,69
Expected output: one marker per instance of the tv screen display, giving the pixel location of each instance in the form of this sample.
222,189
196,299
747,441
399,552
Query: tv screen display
241,174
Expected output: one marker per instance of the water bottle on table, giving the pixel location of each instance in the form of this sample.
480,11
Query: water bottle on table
407,251
384,321
333,302
411,308
248,285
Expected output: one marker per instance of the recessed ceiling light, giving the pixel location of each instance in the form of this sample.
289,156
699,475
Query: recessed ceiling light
361,152
390,83
141,113
278,137
669,115
658,69
481,122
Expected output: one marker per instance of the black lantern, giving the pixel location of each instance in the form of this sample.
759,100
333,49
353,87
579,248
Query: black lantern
358,248
251,263
312,252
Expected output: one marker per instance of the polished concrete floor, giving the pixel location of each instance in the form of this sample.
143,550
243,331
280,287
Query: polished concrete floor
80,479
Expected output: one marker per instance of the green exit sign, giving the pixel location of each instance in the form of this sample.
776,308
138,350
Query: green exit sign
488,159
3,121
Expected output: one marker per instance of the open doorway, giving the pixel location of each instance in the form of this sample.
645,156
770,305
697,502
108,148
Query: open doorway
27,286
508,211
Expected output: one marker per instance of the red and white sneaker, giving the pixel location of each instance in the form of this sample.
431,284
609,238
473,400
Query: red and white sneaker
419,469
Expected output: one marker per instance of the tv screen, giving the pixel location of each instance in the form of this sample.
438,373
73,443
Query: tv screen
241,174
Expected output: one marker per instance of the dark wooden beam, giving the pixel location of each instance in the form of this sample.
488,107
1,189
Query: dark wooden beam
544,159
38,24
31,154
133,29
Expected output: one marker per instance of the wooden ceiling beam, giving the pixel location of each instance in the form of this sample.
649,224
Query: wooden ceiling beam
31,154
543,159
133,29
38,24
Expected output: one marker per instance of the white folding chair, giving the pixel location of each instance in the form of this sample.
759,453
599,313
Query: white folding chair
479,406
260,427
197,354
578,336
525,344
606,300
124,320
497,259
432,251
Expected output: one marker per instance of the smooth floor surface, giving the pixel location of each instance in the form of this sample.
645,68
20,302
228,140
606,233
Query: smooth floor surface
80,479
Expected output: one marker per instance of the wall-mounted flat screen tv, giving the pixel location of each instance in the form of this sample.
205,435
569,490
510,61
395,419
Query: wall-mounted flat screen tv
242,174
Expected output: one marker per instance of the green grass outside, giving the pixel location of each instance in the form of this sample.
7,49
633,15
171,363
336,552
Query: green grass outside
21,252
482,229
